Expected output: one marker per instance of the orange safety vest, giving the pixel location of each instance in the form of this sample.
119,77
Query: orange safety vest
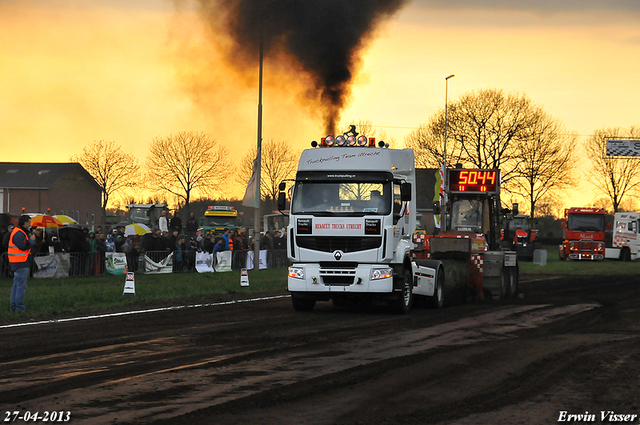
17,255
230,244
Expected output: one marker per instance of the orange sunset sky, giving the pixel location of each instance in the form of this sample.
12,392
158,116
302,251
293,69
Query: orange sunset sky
74,71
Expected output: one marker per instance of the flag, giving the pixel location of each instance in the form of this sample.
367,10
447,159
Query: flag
252,194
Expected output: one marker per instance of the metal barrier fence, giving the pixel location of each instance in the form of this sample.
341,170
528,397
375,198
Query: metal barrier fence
94,264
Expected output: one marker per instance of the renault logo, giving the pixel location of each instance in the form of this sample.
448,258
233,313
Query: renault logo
337,255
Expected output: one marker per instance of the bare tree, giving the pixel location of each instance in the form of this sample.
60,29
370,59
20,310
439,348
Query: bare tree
549,206
613,176
488,129
545,159
279,162
427,142
186,165
484,128
111,168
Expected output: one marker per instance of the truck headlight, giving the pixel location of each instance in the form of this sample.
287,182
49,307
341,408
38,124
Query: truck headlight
296,272
381,273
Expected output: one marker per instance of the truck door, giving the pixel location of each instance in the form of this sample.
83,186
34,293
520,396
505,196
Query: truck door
398,214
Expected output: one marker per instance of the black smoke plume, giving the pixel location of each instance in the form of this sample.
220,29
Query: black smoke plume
323,37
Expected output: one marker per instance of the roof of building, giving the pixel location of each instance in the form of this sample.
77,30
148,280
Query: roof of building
38,175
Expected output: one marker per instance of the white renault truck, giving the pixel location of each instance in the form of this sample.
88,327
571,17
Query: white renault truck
352,218
626,237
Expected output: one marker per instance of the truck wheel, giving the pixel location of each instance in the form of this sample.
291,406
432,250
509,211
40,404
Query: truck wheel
437,300
625,254
405,298
302,304
505,283
513,282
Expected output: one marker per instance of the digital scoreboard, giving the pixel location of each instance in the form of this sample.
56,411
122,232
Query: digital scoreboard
473,181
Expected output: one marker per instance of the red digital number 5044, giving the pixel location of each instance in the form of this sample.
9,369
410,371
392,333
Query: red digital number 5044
473,180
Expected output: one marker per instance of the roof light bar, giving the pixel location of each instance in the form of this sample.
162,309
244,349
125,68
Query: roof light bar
348,141
329,141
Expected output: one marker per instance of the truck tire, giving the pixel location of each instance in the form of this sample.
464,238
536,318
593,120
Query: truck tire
302,304
505,283
625,254
437,300
405,298
513,282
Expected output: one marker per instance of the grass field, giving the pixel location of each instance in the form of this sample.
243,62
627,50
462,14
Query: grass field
582,268
58,298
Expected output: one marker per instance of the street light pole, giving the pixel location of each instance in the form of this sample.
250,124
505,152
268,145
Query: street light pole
40,173
39,189
258,171
446,122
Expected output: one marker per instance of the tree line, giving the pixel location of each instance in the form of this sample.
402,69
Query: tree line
537,156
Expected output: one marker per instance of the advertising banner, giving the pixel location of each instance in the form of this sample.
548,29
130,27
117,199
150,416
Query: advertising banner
204,262
223,263
53,265
115,262
263,259
629,147
164,266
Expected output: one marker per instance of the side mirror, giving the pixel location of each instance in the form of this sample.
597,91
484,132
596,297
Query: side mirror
405,192
282,186
282,200
515,209
436,207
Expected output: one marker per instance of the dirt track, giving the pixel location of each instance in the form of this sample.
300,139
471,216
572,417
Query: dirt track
570,344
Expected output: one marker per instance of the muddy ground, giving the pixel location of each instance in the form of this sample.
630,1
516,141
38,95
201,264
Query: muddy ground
569,344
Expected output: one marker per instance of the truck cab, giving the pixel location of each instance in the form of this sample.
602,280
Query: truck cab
583,230
626,237
217,219
148,214
352,218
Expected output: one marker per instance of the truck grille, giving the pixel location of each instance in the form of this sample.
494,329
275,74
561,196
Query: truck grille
337,277
332,243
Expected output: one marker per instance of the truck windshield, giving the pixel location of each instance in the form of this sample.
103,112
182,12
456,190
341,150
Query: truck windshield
348,198
518,223
466,215
586,222
139,215
220,221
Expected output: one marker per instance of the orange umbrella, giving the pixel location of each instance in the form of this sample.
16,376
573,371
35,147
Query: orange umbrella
44,220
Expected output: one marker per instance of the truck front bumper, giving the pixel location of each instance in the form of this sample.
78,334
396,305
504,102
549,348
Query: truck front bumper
363,278
586,256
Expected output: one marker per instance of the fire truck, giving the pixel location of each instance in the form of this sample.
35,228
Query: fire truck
626,238
469,242
352,217
583,233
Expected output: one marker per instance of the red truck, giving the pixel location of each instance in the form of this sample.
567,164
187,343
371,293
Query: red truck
583,233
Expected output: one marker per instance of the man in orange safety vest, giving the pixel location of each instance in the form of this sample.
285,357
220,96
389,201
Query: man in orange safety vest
19,251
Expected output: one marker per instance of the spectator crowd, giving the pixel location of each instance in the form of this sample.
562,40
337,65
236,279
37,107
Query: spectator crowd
88,247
